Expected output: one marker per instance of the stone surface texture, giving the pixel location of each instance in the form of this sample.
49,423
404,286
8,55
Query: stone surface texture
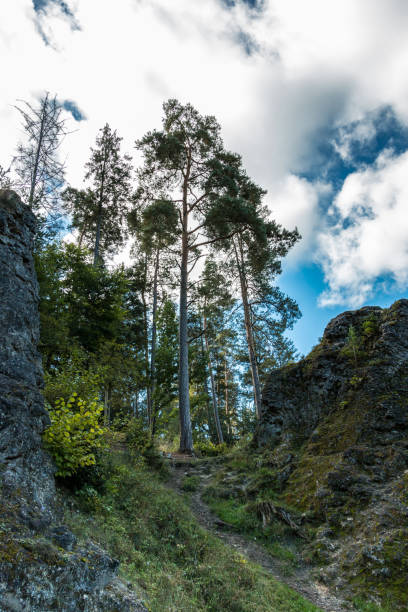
42,566
335,430
26,470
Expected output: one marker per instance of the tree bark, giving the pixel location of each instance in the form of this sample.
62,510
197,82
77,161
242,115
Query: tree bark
146,348
213,392
186,436
153,344
248,328
37,154
99,217
98,235
106,407
227,414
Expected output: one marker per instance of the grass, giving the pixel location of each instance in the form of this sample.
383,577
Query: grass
273,537
190,483
365,606
166,554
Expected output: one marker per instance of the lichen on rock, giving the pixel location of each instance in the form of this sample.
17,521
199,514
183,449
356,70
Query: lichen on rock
342,415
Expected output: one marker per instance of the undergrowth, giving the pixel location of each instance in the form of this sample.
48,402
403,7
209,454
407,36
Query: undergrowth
164,551
364,606
275,538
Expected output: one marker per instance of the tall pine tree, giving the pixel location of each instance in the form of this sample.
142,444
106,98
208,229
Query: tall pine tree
186,163
99,212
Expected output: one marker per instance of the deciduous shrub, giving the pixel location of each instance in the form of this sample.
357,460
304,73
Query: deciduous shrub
208,449
74,434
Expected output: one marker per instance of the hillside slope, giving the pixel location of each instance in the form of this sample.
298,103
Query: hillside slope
334,433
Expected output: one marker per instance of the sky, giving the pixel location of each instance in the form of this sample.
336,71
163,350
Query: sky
313,95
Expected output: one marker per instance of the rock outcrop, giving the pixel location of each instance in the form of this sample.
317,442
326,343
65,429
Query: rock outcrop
26,471
42,567
335,431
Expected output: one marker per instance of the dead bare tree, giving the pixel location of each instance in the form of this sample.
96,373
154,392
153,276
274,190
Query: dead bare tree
40,172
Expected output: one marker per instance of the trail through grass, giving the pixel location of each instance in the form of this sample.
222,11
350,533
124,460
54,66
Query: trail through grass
180,566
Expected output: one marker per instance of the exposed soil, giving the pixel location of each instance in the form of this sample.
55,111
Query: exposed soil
300,580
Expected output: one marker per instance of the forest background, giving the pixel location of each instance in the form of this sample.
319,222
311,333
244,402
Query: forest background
183,338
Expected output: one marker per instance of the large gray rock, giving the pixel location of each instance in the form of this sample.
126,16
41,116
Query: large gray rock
26,470
334,430
42,567
298,396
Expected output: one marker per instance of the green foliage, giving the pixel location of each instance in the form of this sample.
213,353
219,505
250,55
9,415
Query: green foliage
74,372
369,327
142,448
99,212
242,516
354,382
80,304
166,366
137,436
352,347
74,434
162,548
209,449
365,606
190,483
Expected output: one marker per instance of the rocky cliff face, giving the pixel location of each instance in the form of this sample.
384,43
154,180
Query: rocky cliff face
42,567
26,470
335,430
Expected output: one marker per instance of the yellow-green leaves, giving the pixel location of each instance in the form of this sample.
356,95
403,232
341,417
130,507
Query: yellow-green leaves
74,434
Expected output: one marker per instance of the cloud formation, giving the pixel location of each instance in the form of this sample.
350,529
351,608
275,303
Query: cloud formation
48,9
294,84
367,246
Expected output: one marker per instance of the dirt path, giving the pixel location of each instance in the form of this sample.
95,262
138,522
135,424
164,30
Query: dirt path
301,581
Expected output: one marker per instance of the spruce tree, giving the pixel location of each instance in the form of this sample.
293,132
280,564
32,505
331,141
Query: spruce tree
99,212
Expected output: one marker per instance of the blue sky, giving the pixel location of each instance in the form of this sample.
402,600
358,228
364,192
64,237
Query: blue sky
314,95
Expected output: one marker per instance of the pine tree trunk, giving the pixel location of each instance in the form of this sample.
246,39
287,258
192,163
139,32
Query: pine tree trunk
248,330
186,436
146,348
37,154
207,395
106,408
213,392
227,414
97,235
100,213
153,344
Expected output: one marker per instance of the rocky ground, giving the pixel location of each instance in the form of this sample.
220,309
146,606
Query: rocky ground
334,440
301,579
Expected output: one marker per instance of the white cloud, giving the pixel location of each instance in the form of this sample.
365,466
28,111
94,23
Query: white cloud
318,63
295,204
369,241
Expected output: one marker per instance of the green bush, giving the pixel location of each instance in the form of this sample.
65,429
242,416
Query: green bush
74,434
190,483
208,449
141,445
75,372
137,436
352,347
370,326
